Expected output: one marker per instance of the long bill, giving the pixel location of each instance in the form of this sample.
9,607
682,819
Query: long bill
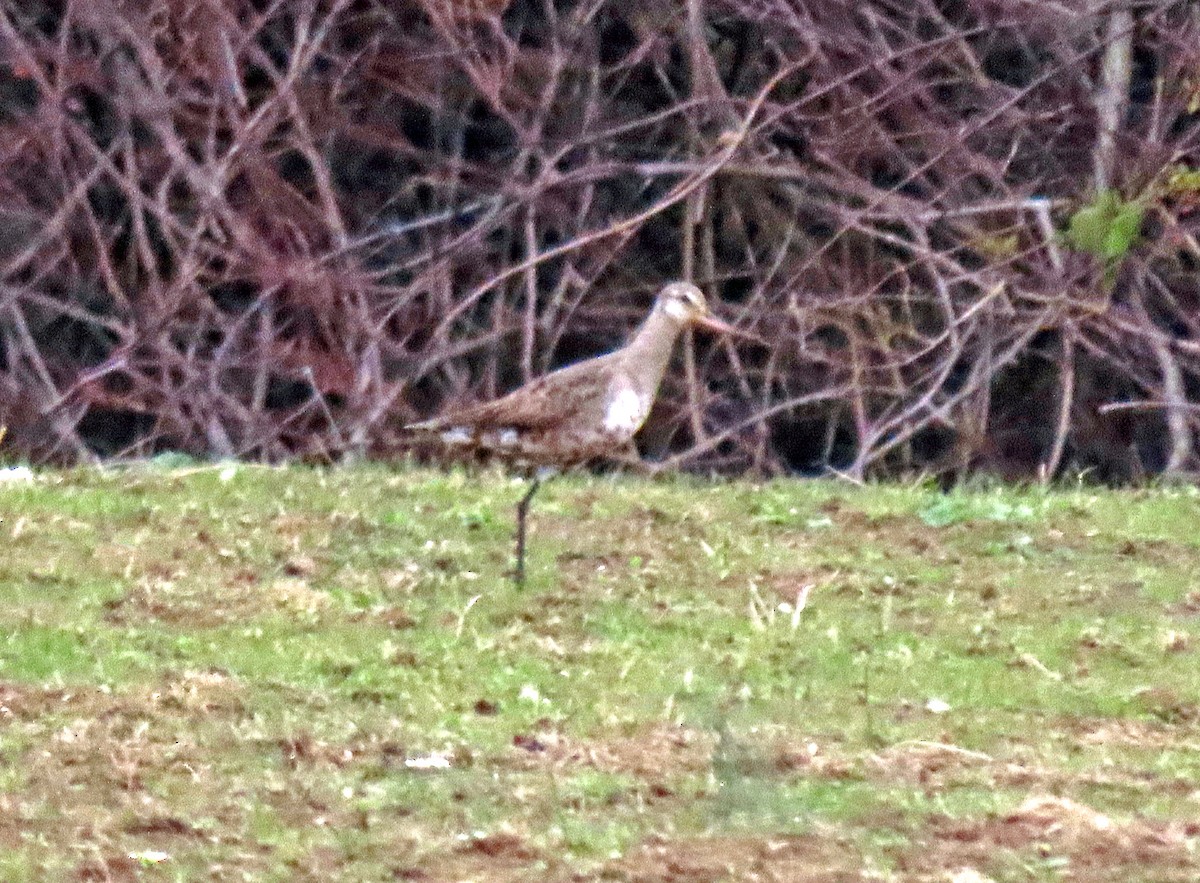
709,322
712,323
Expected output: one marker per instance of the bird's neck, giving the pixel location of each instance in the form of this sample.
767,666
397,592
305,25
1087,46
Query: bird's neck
650,350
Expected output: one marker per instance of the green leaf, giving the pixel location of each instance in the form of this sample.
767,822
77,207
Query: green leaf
1087,230
1107,228
1183,181
1123,230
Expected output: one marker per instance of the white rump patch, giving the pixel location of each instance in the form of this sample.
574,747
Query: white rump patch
459,435
625,412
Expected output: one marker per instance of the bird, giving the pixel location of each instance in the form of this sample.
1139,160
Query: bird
582,412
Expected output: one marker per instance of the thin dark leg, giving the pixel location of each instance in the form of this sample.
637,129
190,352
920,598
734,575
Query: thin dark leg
522,511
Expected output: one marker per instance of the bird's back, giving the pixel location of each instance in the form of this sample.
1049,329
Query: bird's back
560,417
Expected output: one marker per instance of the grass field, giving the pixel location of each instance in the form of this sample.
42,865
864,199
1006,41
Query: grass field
241,673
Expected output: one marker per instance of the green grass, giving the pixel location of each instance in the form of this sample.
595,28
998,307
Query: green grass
247,673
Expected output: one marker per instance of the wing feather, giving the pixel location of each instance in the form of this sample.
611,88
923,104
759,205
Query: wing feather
557,397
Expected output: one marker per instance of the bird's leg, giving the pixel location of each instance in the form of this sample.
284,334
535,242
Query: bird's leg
522,512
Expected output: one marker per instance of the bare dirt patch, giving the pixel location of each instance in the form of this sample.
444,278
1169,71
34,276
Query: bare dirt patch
789,585
653,754
492,859
179,599
1081,842
1136,733
929,764
815,858
30,701
803,859
895,531
169,601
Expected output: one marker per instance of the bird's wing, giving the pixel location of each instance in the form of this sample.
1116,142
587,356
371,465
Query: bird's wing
554,398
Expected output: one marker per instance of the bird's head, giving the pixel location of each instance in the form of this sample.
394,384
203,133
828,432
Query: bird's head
684,303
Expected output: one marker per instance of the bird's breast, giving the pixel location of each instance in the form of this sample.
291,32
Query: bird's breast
626,412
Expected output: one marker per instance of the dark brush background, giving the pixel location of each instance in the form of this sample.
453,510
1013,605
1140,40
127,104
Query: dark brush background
282,229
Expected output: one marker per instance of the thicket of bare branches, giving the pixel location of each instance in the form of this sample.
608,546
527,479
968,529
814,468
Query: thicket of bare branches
963,232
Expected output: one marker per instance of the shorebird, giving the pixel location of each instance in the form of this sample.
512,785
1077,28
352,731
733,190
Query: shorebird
582,412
